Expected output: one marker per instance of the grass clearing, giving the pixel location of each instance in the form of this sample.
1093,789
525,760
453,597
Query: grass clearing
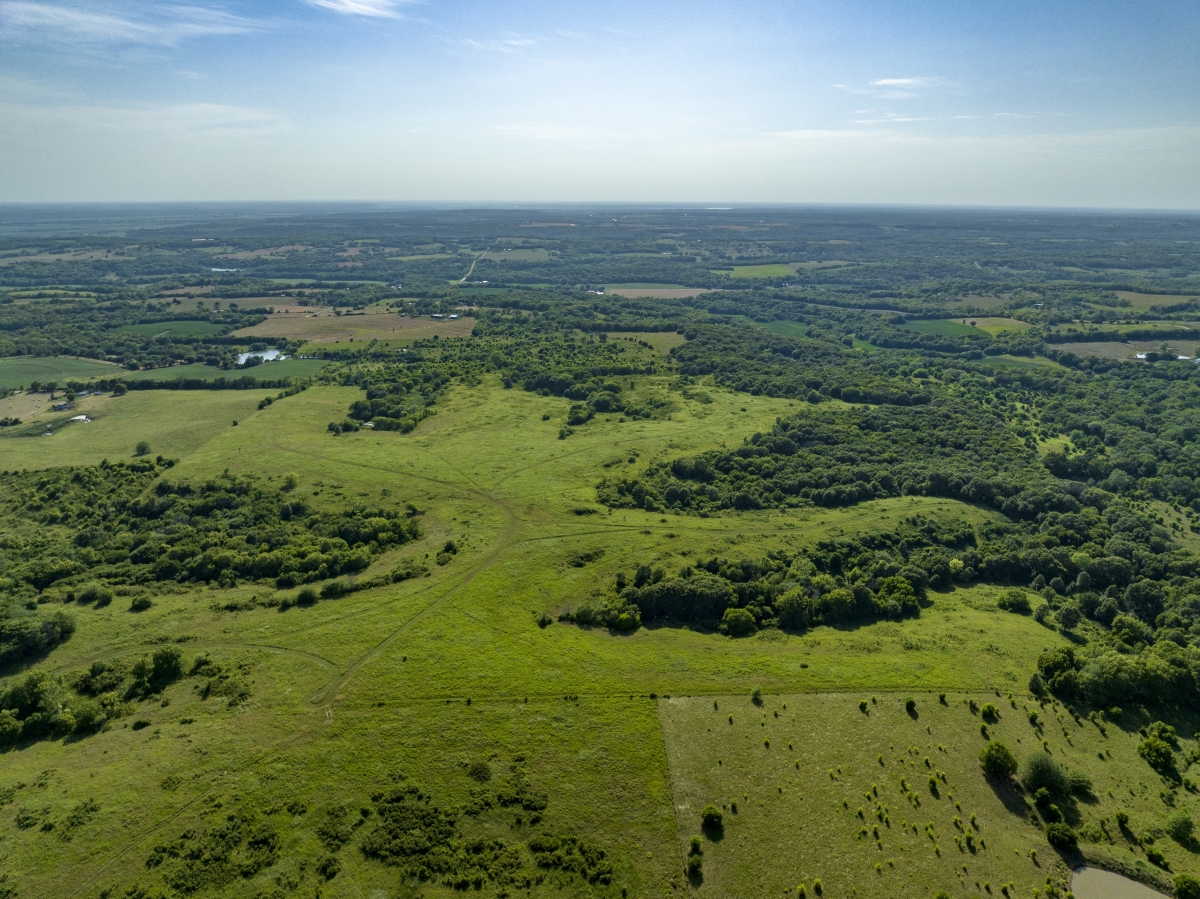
942,327
325,327
21,371
815,760
1142,301
282,368
175,423
769,270
175,329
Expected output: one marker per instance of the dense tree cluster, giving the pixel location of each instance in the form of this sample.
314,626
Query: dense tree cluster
105,523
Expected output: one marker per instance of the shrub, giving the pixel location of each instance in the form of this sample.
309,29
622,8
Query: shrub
1186,887
1041,613
997,761
95,593
1081,783
329,867
306,597
1015,601
696,846
1069,616
910,705
738,623
1061,836
142,449
1157,754
711,818
1180,826
1040,772
990,712
695,865
140,604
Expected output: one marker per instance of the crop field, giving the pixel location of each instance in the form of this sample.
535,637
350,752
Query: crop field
175,329
319,328
21,371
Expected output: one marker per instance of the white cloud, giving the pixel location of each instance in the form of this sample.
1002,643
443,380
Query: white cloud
375,9
173,119
165,25
902,82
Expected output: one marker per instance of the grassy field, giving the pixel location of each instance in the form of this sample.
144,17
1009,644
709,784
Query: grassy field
662,341
175,329
21,371
175,423
1142,301
942,327
656,291
770,270
430,676
817,760
284,368
325,327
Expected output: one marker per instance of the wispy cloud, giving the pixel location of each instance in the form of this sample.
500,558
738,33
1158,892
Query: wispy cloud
891,88
902,82
375,9
509,44
165,25
169,118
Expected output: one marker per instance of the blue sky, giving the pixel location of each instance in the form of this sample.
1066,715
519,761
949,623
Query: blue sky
1061,104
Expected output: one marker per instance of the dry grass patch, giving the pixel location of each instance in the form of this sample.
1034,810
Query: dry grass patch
325,327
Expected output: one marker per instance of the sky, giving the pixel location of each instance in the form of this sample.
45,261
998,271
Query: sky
1064,104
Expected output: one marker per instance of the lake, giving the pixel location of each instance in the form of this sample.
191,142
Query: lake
1096,883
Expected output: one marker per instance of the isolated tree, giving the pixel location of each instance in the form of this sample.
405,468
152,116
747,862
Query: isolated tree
142,449
997,761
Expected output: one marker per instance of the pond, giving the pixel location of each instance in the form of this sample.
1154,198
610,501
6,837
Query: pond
267,356
1096,883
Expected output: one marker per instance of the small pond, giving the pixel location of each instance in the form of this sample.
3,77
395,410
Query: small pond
1096,883
267,356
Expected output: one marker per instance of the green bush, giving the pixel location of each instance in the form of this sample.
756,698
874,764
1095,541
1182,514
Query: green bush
1015,601
711,818
1061,836
1157,754
738,623
1179,826
1186,887
1041,772
997,761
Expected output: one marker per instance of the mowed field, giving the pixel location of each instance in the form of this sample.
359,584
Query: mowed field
325,327
421,679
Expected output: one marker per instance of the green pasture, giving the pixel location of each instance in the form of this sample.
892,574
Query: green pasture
427,677
942,327
175,329
770,270
174,422
285,368
21,371
799,767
